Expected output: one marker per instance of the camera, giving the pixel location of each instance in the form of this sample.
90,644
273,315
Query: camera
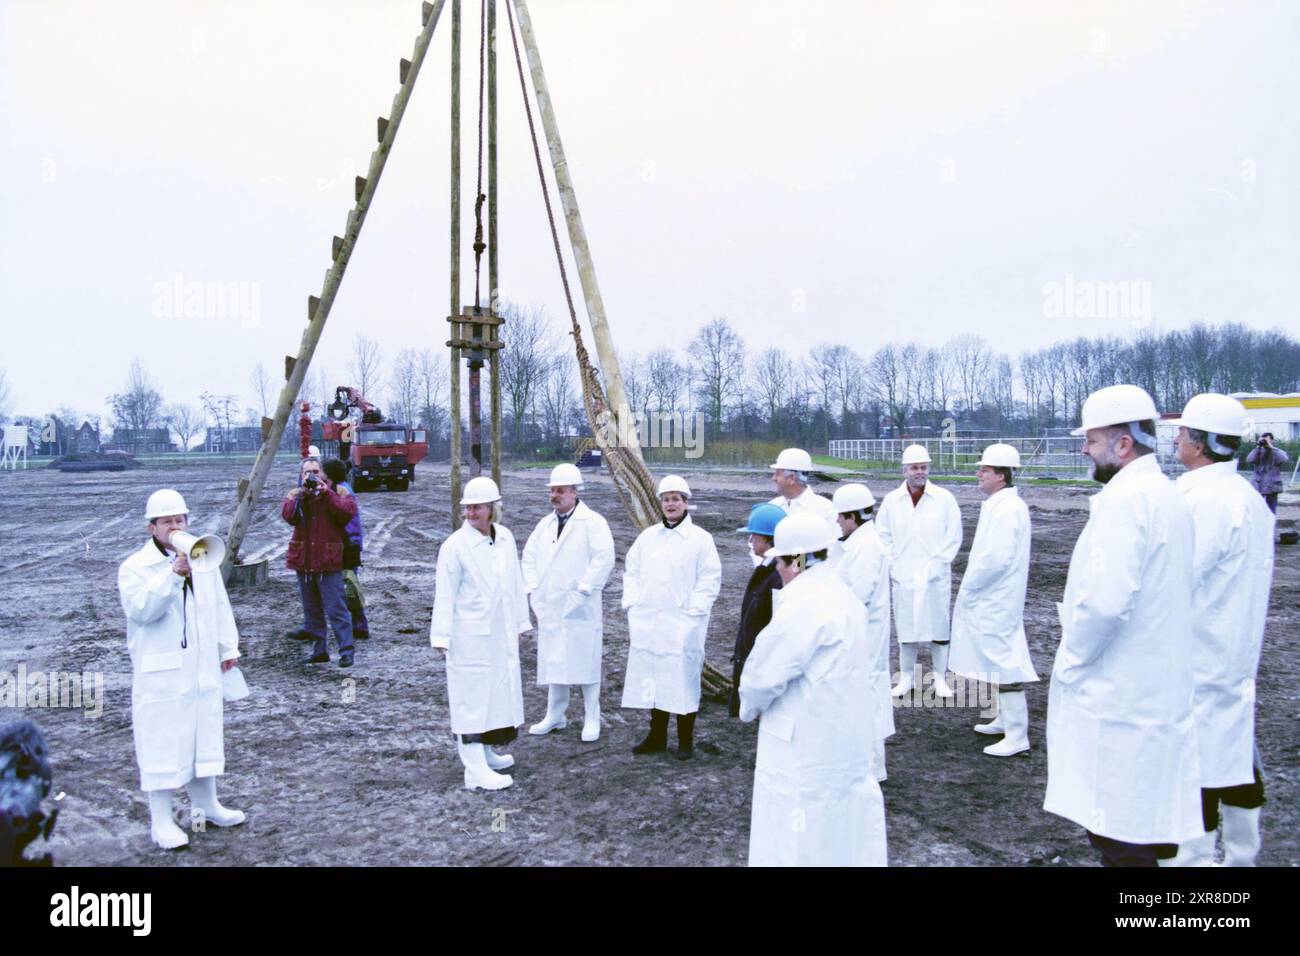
311,483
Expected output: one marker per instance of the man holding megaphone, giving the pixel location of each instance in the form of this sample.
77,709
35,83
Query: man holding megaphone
181,636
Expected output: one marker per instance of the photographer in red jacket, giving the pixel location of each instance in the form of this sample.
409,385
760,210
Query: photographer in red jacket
319,512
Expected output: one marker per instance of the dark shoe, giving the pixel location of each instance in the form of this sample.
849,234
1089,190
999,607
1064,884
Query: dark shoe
300,635
318,657
685,736
345,659
360,635
657,740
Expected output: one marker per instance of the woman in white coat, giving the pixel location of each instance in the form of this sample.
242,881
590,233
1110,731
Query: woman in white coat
988,629
810,676
479,611
567,560
863,567
671,578
920,526
180,645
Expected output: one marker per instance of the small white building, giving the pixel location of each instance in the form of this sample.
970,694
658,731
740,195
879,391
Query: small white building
1270,412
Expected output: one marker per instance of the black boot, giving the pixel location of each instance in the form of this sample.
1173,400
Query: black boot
657,740
685,736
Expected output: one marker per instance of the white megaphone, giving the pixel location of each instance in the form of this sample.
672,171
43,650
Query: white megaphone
204,554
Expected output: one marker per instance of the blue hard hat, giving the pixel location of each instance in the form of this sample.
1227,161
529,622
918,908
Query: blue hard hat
763,519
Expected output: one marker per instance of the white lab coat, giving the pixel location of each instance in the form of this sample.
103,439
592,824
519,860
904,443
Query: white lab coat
988,626
176,699
1121,746
479,611
809,502
564,580
863,567
1232,574
921,543
816,799
671,578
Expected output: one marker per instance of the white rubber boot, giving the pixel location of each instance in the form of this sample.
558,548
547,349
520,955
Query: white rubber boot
939,658
162,826
1198,851
557,704
478,775
203,797
591,712
495,760
1014,710
907,656
993,727
1240,836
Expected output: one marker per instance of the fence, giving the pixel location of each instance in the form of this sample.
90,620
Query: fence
1056,455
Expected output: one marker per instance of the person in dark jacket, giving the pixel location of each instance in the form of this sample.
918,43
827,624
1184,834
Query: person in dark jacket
756,606
319,513
1267,460
336,471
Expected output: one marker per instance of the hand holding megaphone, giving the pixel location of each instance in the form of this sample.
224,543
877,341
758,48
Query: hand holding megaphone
203,553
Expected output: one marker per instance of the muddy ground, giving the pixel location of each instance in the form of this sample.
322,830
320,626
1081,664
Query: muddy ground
358,767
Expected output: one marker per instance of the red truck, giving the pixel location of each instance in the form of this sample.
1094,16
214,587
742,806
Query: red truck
382,451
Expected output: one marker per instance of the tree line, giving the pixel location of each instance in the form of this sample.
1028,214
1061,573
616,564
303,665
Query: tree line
832,390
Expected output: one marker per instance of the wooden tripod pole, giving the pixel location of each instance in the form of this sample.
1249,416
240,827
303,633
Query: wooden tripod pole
318,308
577,236
494,359
454,405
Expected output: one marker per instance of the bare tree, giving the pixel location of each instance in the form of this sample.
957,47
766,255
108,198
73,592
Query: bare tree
404,392
432,376
529,348
668,379
4,395
970,358
186,421
771,380
717,357
892,385
263,390
558,396
140,404
221,410
366,366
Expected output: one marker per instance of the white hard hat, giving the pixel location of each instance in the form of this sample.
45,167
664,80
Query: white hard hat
793,459
313,451
1000,456
852,497
164,502
565,474
801,534
673,483
916,455
1217,414
1116,405
480,491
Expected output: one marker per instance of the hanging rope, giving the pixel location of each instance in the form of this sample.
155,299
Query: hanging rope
629,472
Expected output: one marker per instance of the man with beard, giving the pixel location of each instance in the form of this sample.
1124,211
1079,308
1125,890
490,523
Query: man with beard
1121,745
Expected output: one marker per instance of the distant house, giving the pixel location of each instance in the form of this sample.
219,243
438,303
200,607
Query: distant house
85,439
239,438
136,441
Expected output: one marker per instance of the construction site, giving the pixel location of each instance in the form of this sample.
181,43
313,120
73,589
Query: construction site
357,764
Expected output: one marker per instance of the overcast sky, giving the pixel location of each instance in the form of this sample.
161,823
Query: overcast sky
907,170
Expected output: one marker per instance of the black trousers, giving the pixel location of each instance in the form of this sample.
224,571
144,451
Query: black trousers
1119,853
1247,796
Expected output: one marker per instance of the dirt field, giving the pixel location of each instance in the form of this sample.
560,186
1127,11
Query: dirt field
359,767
